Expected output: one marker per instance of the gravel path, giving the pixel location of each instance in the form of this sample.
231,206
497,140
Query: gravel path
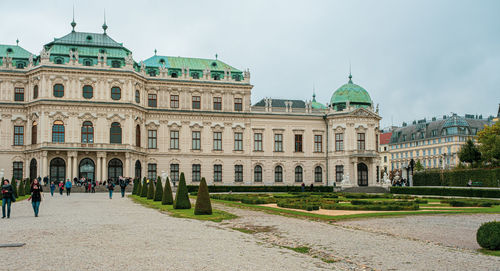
366,249
450,230
91,232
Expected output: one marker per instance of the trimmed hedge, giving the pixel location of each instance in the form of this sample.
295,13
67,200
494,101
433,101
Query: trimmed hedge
488,235
203,206
368,202
182,197
251,188
378,207
471,203
437,191
167,198
158,190
457,177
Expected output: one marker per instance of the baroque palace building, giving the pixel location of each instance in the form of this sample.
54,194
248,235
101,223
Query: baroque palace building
84,108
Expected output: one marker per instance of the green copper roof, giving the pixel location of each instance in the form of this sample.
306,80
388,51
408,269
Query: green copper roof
171,62
356,95
317,105
86,39
14,51
88,51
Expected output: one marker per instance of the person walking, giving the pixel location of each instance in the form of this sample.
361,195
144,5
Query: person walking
36,196
123,186
111,187
92,183
61,187
68,187
7,197
52,188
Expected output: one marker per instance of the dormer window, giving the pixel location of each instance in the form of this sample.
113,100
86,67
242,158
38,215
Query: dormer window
87,62
216,77
162,61
102,51
152,72
174,75
195,75
115,64
214,64
89,38
9,50
58,60
20,65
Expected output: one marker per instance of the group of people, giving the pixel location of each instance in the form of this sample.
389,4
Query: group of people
36,191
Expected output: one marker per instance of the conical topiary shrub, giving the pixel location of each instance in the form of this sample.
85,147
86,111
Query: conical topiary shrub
158,190
135,186
151,189
167,198
20,189
27,186
203,205
14,187
182,197
139,187
144,189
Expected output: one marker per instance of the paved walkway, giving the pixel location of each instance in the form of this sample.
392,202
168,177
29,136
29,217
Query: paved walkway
91,232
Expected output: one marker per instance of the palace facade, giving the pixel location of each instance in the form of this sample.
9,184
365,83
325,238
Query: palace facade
84,108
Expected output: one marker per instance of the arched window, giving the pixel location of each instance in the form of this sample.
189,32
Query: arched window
59,60
257,174
115,133
33,168
298,174
20,65
35,92
87,132
58,90
138,169
318,174
138,135
137,96
34,132
115,169
57,170
278,174
58,132
116,93
87,62
88,92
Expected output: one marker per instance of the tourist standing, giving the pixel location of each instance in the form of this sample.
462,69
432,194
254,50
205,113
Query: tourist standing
68,187
36,196
52,188
303,187
7,197
123,186
111,187
61,187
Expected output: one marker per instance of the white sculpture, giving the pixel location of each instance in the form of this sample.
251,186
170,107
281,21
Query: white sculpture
386,179
345,180
30,60
44,54
129,60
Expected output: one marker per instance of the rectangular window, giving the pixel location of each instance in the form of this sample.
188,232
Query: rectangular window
174,140
339,142
361,141
174,101
217,173
278,142
298,143
339,173
217,141
238,104
217,103
152,172
19,94
174,172
152,100
318,143
196,102
18,135
238,173
257,141
17,171
152,139
196,140
196,172
385,159
238,141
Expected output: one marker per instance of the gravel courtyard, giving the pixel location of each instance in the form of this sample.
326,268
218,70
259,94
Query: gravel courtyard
91,232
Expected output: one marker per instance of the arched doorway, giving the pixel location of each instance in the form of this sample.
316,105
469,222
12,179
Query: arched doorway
87,169
138,169
362,174
115,169
57,170
33,169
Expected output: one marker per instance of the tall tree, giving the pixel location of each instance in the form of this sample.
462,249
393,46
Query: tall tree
418,166
489,143
469,153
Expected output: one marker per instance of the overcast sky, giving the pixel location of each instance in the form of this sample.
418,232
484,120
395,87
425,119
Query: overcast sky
417,59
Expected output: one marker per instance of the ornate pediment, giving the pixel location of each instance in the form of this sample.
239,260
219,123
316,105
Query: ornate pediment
363,112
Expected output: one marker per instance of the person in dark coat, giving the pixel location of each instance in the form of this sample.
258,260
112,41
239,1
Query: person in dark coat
123,186
52,188
36,196
111,187
7,196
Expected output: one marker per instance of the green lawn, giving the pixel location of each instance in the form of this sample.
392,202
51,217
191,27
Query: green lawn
490,252
446,209
216,216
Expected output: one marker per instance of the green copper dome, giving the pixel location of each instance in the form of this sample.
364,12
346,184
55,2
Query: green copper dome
317,105
352,93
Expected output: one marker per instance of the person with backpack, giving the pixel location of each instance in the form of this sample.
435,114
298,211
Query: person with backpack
36,196
52,188
68,187
111,187
123,186
7,197
61,187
